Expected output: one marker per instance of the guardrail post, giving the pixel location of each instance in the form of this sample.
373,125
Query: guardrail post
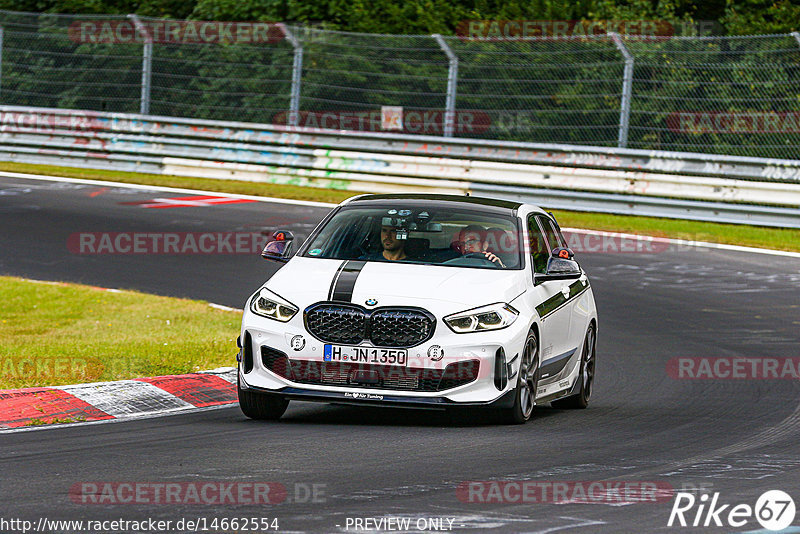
297,75
147,64
452,81
627,89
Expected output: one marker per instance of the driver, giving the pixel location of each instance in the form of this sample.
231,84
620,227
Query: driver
472,240
393,249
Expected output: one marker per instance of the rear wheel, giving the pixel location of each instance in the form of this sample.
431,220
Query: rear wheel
260,405
581,399
527,382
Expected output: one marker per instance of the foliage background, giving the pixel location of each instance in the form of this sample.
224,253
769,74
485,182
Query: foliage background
558,91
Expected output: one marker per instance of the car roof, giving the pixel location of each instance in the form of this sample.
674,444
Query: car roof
489,202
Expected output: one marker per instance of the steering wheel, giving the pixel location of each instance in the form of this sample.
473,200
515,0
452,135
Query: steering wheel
477,256
473,256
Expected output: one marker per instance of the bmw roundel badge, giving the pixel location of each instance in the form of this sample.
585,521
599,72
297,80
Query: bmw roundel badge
371,302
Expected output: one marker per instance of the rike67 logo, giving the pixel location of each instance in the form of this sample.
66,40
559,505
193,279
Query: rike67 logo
774,510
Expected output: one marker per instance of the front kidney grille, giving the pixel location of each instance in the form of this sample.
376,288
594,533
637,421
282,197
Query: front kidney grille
335,323
384,327
399,328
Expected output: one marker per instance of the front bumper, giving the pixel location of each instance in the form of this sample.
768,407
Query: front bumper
292,340
385,400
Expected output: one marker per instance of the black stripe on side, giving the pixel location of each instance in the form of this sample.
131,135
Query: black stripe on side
346,282
555,364
556,301
335,279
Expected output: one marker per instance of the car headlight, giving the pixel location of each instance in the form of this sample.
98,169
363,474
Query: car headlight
267,304
491,317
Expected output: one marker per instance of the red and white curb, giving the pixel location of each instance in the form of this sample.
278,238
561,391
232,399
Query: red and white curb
121,399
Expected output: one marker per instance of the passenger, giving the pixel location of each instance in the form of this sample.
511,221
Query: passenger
472,240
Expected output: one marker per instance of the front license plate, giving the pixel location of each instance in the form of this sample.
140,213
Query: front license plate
341,353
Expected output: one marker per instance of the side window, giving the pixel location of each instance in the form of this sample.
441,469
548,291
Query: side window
561,237
550,232
538,246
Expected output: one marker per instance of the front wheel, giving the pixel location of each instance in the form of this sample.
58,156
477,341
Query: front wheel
527,382
260,405
581,399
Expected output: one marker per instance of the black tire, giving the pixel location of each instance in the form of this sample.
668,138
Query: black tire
261,406
527,383
580,400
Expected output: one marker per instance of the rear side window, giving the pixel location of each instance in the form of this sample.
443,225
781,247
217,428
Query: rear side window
553,237
538,246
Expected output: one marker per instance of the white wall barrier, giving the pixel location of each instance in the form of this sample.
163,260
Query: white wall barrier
720,188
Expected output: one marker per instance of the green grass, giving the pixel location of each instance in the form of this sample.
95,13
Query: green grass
734,234
56,333
55,421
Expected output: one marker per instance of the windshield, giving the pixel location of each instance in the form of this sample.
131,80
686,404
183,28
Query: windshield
428,235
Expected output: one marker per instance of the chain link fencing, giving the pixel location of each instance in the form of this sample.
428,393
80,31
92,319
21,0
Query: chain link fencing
726,95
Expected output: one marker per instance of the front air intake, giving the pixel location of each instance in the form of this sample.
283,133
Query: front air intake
500,370
247,353
361,375
276,361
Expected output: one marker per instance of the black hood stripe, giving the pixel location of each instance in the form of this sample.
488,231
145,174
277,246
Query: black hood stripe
335,279
345,280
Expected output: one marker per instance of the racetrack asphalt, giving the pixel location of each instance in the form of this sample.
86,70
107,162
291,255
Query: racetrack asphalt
738,437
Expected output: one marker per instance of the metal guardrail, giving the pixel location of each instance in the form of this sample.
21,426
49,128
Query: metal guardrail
663,184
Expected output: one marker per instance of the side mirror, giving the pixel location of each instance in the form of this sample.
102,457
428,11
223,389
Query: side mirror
562,252
560,266
279,246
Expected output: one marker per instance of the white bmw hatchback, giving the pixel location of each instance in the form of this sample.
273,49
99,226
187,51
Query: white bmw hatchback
427,301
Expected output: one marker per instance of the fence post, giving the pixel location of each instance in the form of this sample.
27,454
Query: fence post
1,58
796,37
297,75
627,88
452,81
147,64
